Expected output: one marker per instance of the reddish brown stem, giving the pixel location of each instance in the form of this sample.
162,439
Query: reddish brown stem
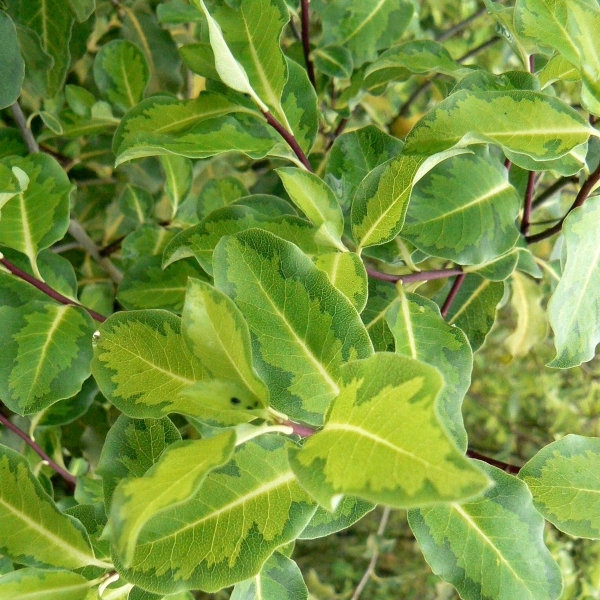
289,138
452,294
70,479
304,14
512,469
301,430
412,277
581,197
526,222
44,287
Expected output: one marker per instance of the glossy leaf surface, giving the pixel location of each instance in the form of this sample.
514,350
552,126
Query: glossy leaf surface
141,362
563,478
252,505
491,547
402,471
421,333
303,328
33,531
574,309
46,353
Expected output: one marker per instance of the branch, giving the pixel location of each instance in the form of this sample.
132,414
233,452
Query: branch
79,233
289,138
460,26
413,277
71,480
551,190
44,287
526,221
373,562
452,294
512,469
306,42
581,197
30,142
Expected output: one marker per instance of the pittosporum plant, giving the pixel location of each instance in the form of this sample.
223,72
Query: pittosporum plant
240,299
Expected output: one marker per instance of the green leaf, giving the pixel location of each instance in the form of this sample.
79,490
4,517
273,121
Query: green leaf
198,58
121,73
385,411
12,67
39,584
421,333
133,446
171,482
381,200
532,324
39,215
147,285
32,530
46,353
574,308
355,154
164,125
11,143
557,68
317,201
523,122
492,547
141,362
83,9
563,478
70,409
324,523
500,268
136,203
228,67
402,61
335,61
303,328
179,174
364,26
10,184
382,296
252,29
464,210
568,26
279,579
200,240
474,307
299,103
217,193
252,506
346,271
218,335
53,22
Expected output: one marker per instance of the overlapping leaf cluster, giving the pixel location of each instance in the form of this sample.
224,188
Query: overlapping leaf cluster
212,184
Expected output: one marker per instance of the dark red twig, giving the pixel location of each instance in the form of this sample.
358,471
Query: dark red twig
301,430
70,479
289,138
512,469
581,197
412,277
44,287
452,294
526,221
304,15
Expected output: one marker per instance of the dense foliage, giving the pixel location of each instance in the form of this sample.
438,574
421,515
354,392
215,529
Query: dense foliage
275,277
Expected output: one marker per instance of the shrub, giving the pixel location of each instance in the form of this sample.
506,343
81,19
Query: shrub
248,253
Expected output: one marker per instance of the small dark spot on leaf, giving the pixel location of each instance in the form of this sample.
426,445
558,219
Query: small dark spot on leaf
256,404
236,401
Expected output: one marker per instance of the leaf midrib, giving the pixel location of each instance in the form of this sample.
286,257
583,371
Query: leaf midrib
263,489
